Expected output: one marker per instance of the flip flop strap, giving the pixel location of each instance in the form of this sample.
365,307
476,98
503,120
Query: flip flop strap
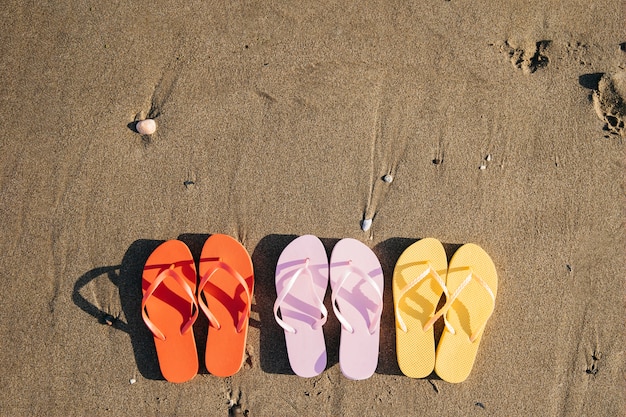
408,287
444,310
205,308
168,273
379,306
285,292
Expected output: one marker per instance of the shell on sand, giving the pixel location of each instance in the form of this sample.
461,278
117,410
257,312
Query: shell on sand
146,127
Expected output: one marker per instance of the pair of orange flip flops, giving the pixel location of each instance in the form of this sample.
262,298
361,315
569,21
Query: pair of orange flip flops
422,276
173,294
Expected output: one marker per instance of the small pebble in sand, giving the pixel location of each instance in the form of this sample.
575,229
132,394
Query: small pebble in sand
109,320
146,127
482,166
132,381
366,224
388,178
488,158
236,411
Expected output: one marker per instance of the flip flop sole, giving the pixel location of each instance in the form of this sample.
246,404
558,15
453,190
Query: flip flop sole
169,309
227,301
415,348
456,354
306,347
360,303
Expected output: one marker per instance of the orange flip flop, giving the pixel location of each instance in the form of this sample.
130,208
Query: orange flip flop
225,296
169,308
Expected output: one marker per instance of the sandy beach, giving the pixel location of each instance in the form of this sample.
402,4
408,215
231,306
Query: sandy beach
501,123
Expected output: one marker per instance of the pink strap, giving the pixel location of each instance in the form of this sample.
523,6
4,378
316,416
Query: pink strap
168,273
283,294
379,306
205,308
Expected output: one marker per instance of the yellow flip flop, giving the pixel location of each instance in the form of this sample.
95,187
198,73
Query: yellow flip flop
418,282
472,284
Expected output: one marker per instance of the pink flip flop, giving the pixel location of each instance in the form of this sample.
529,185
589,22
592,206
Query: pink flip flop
301,282
357,281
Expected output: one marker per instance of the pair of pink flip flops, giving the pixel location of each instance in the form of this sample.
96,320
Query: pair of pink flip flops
356,278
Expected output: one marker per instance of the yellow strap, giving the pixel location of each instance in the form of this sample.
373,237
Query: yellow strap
455,295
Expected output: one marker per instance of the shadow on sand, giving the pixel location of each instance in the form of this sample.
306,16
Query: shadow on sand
127,277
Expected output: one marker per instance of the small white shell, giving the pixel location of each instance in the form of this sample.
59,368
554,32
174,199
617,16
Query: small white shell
366,224
132,381
388,178
488,158
146,127
482,166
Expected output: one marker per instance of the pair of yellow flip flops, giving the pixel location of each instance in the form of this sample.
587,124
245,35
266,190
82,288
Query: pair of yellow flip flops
421,277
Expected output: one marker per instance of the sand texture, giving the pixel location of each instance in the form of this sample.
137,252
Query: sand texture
501,123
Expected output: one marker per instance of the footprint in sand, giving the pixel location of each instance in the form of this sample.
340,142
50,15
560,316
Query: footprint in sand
608,101
529,58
